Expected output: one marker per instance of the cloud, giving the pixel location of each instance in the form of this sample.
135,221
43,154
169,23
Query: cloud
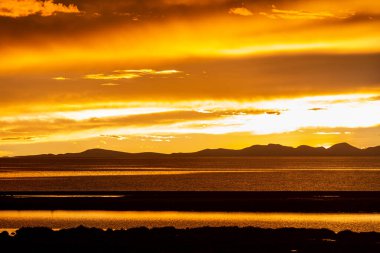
194,2
157,138
60,126
130,74
317,109
273,113
23,8
60,78
109,84
116,76
328,133
23,138
300,14
149,71
197,117
242,11
242,79
332,133
177,32
117,137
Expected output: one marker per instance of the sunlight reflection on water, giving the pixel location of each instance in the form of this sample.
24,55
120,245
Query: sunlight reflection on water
194,174
128,219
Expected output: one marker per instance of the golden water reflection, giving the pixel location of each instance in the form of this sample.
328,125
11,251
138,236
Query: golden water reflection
126,219
156,171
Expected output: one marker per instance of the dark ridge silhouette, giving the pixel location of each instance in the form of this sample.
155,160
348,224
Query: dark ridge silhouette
205,239
97,152
373,151
305,150
341,149
104,153
270,149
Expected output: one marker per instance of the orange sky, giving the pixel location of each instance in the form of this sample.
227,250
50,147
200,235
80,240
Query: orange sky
183,75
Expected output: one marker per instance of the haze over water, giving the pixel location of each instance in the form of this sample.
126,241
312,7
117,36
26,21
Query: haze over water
195,174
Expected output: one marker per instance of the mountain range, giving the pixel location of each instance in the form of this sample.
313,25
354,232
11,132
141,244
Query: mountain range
341,149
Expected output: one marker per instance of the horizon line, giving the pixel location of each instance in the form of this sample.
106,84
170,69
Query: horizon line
231,149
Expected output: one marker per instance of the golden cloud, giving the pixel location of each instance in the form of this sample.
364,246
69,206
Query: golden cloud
300,14
116,76
194,2
60,78
109,84
23,8
197,117
130,74
331,133
242,11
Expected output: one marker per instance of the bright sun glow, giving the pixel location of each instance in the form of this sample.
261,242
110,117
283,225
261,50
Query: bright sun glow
183,75
209,117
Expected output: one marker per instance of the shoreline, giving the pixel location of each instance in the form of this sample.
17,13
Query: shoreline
203,239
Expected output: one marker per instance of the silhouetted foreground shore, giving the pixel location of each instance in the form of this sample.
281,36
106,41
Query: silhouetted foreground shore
207,239
350,202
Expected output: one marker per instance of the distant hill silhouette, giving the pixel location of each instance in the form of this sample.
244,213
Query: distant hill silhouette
104,153
340,149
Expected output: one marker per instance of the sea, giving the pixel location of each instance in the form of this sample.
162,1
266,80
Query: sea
191,174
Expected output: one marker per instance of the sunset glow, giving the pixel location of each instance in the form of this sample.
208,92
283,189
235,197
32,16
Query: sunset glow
169,76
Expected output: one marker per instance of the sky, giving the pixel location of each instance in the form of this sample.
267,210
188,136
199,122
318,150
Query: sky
185,75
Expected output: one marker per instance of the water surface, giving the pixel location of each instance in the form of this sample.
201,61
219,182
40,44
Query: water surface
193,174
10,220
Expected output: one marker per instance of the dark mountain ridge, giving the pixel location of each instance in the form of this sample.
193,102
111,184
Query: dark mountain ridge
340,149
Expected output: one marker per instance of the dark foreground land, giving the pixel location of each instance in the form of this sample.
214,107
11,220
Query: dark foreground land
207,239
350,202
